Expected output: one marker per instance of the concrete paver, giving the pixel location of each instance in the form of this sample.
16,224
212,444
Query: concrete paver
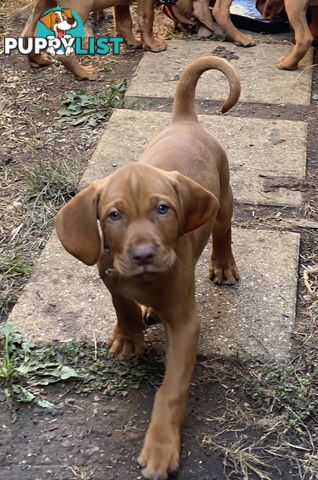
262,82
66,299
258,150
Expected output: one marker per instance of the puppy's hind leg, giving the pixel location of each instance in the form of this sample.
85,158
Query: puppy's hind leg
223,269
40,6
296,12
146,19
123,22
221,13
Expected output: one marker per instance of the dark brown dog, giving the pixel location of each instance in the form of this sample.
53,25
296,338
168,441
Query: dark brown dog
83,8
147,224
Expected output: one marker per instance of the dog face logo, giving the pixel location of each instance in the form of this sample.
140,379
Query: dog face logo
61,27
59,21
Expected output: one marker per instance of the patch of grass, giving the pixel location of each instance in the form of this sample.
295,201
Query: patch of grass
26,368
46,186
283,389
13,270
239,458
84,109
53,182
22,369
274,402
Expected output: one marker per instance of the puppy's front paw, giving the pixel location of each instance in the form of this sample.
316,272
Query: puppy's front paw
86,72
155,45
223,271
244,40
160,455
40,60
287,63
133,42
126,345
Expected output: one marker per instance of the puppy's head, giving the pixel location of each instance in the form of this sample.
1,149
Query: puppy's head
142,211
270,8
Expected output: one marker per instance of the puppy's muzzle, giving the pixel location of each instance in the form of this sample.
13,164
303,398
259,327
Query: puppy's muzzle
142,254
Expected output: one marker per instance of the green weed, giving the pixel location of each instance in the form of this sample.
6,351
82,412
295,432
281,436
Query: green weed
24,368
84,109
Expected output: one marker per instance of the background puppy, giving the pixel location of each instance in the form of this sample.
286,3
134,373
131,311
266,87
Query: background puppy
185,10
155,217
297,15
83,8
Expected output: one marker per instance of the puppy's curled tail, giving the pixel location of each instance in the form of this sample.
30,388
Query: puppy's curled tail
183,107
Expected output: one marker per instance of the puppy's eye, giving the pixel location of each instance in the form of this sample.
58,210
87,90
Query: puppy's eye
115,215
162,208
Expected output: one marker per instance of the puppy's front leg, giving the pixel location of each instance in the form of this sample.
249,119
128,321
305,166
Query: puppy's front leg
297,12
127,337
40,59
221,13
146,19
124,25
160,453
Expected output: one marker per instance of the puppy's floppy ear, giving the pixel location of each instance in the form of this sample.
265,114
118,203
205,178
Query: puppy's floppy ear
48,20
197,203
76,225
67,12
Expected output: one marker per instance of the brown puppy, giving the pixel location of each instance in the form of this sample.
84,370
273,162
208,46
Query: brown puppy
83,8
185,10
155,217
297,15
296,10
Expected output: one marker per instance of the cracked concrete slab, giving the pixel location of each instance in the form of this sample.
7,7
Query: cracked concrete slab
262,82
267,157
66,299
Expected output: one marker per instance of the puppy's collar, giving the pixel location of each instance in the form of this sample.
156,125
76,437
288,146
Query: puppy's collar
106,246
166,2
111,272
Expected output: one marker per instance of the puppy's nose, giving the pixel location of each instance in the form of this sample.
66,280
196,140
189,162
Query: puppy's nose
71,21
143,254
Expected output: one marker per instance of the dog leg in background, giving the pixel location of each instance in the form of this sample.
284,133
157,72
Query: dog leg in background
223,269
221,14
71,62
82,72
146,19
160,452
123,25
127,337
40,7
202,12
297,11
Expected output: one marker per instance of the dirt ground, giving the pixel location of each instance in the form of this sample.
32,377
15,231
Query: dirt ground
232,426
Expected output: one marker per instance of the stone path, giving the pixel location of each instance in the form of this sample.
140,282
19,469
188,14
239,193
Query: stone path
66,299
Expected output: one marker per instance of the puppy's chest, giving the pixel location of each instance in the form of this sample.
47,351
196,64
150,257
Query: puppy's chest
145,292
